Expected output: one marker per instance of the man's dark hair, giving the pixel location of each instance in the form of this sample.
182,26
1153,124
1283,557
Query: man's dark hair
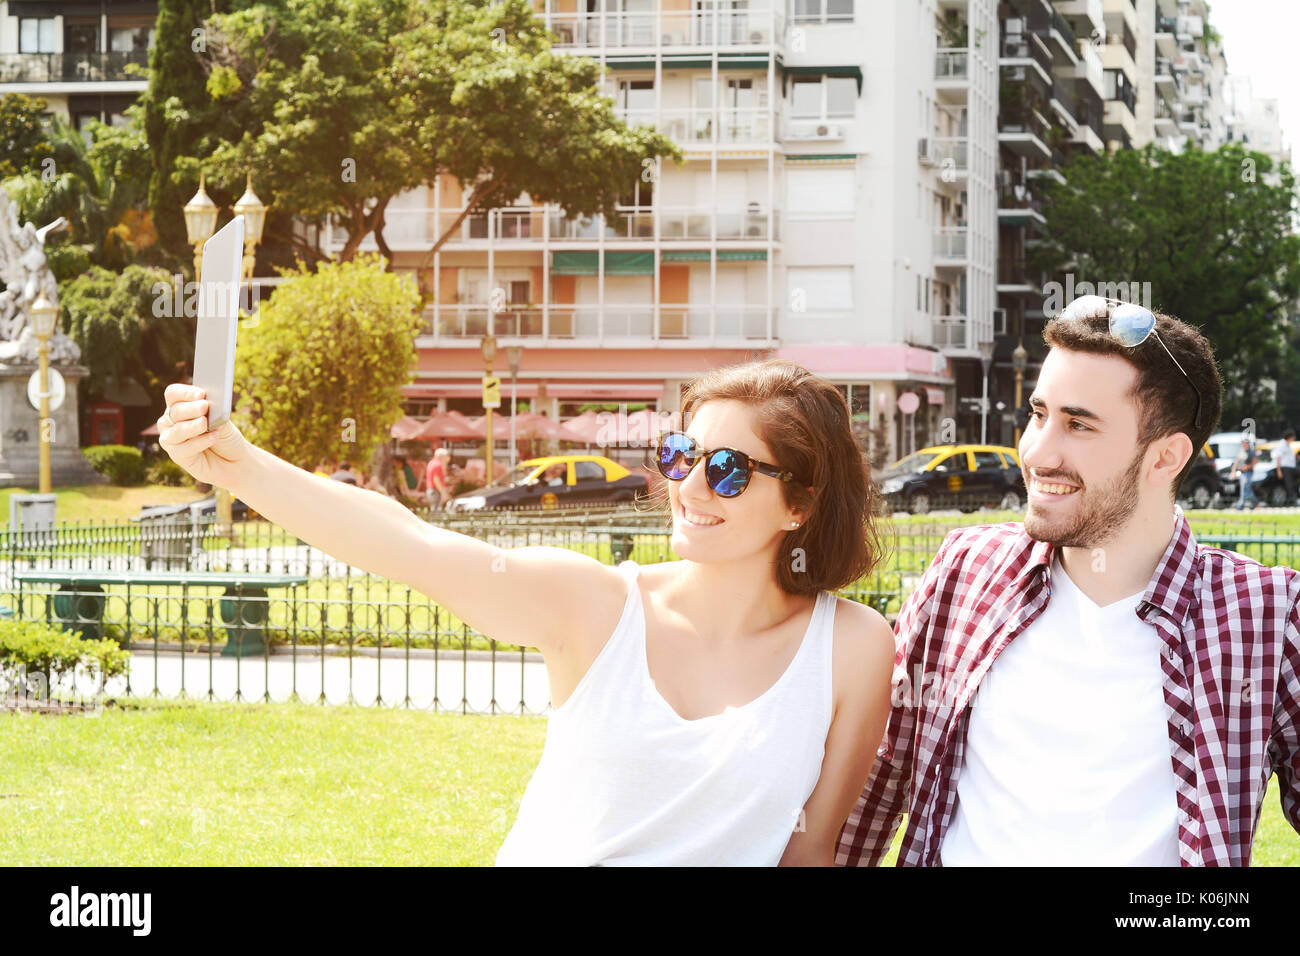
1166,402
1289,435
345,464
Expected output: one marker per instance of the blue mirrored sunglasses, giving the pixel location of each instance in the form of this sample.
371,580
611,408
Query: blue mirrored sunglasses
1131,325
726,470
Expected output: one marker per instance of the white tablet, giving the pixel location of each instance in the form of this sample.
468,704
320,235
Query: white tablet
218,319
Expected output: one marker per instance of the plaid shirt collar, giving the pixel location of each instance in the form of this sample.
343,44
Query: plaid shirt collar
1172,587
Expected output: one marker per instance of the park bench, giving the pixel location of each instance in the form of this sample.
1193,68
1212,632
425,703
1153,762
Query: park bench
79,600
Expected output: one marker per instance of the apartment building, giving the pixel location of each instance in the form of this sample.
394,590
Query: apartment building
1254,122
76,55
836,206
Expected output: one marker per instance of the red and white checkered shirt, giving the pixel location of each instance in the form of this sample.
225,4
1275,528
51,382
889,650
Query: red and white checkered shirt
1231,661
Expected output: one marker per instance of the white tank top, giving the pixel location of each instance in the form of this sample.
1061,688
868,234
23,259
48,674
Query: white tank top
625,780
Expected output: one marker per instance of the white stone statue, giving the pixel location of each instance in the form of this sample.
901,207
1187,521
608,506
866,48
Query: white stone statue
26,275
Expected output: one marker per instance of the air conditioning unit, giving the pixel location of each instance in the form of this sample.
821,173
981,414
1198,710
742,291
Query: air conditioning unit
756,36
923,152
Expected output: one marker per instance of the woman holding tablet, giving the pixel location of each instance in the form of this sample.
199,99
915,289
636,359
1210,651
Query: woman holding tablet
721,709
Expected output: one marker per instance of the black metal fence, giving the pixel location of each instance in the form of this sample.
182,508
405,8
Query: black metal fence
182,595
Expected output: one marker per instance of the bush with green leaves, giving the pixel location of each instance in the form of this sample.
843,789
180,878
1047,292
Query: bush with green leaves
164,471
120,464
33,647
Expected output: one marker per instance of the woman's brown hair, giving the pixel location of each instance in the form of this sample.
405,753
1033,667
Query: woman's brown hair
805,421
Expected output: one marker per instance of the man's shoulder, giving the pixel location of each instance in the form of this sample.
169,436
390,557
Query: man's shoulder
979,542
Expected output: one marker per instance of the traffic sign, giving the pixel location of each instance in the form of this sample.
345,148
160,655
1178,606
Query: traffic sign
491,391
58,389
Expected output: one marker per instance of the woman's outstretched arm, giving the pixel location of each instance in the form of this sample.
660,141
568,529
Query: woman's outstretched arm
532,596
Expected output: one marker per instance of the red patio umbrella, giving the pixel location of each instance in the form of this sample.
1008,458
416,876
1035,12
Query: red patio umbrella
406,428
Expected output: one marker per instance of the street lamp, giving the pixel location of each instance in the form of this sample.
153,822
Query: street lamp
513,354
43,314
986,359
1019,359
200,224
254,213
489,353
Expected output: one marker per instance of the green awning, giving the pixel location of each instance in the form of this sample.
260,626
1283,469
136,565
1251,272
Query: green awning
820,157
742,255
685,255
629,263
853,71
574,264
616,263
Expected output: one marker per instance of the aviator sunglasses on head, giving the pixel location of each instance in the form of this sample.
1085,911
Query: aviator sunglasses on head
726,470
1131,325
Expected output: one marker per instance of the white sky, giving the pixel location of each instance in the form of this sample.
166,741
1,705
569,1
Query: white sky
1260,40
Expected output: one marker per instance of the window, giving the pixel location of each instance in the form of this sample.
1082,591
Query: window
36,35
588,471
822,11
820,192
823,97
130,39
987,461
954,462
636,95
822,288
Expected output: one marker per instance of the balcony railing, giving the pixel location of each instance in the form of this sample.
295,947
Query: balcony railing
950,152
694,127
421,228
952,65
667,29
665,322
1023,46
69,67
950,242
1060,26
950,331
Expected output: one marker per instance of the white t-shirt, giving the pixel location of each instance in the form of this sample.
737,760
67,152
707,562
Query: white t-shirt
1285,454
1068,758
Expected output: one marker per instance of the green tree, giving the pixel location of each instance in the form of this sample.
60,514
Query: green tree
319,373
127,329
97,183
344,105
24,141
1213,234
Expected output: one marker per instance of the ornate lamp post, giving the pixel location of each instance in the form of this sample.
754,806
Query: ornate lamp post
43,314
254,213
1019,359
200,224
489,353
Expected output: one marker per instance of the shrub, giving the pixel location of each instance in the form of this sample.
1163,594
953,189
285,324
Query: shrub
164,471
120,464
34,647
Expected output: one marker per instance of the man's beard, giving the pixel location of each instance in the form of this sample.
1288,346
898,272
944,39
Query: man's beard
1099,513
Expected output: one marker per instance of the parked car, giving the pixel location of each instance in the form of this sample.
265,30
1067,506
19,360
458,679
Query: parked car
1224,447
554,482
204,507
954,476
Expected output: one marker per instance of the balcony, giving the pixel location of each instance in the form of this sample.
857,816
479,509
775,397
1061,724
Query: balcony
950,245
1014,277
1020,49
667,30
1089,14
1064,44
1019,207
1166,81
1089,69
1165,121
693,326
418,229
1166,44
71,67
947,152
950,332
696,128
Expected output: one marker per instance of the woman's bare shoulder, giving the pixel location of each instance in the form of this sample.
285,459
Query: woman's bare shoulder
863,656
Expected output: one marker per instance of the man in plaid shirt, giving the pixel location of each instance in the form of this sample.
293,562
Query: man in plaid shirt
1092,686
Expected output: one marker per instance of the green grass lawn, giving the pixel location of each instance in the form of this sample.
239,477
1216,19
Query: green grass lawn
197,783
103,502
